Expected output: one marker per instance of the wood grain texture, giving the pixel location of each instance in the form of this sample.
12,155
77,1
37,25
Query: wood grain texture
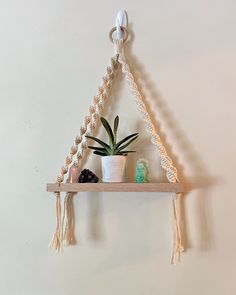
115,187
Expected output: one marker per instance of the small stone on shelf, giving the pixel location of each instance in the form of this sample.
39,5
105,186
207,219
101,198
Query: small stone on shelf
87,176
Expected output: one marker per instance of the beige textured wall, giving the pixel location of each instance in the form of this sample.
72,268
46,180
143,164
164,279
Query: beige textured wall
53,54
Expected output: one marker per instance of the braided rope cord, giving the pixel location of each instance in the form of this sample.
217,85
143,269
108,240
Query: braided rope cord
99,102
80,142
165,160
65,222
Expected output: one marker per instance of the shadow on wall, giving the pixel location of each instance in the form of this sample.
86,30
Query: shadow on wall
201,180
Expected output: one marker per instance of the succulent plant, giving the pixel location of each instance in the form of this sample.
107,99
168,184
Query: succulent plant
114,147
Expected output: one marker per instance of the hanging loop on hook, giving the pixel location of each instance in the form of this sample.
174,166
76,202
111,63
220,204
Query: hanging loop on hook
124,31
120,30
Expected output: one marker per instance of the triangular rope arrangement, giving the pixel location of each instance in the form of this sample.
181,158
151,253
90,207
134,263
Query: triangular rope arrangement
65,218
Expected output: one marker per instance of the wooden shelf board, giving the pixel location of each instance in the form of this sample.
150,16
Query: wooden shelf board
115,187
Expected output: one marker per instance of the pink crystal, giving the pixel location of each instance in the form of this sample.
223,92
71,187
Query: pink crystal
73,174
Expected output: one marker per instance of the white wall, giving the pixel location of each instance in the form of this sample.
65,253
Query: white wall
53,54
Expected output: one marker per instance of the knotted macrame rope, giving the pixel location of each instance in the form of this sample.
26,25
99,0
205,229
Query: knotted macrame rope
65,222
80,144
166,162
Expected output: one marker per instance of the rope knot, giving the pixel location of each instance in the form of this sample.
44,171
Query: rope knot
119,47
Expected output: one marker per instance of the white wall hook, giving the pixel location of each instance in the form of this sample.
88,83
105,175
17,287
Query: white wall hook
121,20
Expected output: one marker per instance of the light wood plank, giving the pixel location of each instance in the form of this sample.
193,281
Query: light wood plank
115,187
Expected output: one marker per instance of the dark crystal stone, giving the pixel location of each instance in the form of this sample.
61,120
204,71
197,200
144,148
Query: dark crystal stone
87,176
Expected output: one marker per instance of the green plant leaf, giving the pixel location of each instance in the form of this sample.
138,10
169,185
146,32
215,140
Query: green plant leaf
102,143
109,131
125,139
116,123
100,153
99,149
125,145
126,152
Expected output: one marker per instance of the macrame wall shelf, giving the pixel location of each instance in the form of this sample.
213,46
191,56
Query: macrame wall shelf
64,233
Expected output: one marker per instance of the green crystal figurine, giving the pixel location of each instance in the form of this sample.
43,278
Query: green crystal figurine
141,172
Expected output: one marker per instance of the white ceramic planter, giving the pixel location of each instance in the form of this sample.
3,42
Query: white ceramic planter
114,169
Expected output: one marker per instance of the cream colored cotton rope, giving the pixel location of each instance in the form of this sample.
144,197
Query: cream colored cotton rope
68,234
166,162
177,248
65,222
80,144
56,243
90,119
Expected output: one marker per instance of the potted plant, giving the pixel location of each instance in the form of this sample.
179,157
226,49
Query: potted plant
113,153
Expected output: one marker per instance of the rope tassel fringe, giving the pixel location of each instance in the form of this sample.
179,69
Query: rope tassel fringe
56,242
177,242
